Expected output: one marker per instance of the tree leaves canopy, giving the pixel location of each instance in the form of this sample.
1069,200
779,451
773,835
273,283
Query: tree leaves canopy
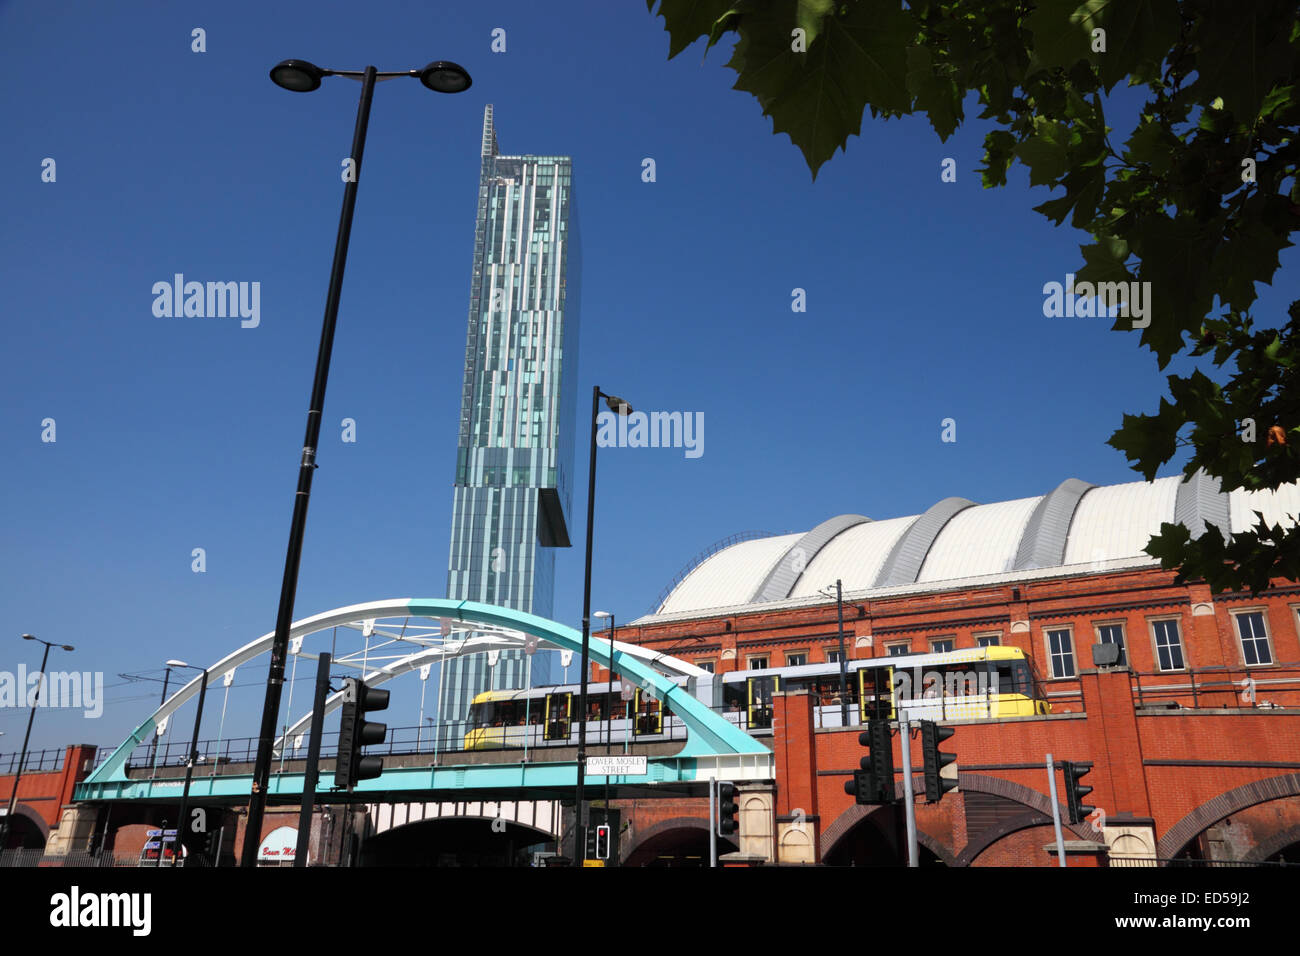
1198,201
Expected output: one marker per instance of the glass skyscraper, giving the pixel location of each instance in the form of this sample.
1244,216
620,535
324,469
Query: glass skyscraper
515,448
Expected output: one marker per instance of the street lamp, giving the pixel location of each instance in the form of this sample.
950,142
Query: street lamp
182,824
299,76
844,698
619,407
22,754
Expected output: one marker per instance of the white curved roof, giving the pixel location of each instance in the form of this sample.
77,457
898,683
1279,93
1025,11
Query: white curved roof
1116,521
730,576
1278,507
1075,524
855,556
978,540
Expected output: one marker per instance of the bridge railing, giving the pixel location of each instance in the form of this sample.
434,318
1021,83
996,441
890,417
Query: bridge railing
38,761
1266,687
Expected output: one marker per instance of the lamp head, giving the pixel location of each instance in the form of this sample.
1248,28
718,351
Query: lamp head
618,405
297,76
443,76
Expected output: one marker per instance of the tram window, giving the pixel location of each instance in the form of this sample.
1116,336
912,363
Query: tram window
960,681
1013,677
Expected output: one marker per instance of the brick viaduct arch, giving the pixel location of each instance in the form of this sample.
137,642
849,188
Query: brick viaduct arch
1225,804
32,817
1038,811
1274,844
664,826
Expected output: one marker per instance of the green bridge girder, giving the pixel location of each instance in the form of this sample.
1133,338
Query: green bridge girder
714,746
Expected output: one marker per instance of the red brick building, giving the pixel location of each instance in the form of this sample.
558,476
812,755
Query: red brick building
1195,735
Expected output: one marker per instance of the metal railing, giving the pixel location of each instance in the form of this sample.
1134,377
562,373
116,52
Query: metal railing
1266,687
1181,862
38,761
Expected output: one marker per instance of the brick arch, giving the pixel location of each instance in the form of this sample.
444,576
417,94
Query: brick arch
1274,844
855,814
663,826
1225,804
1037,813
34,818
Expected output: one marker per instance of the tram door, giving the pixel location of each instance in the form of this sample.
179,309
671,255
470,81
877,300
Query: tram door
557,716
649,714
760,699
876,693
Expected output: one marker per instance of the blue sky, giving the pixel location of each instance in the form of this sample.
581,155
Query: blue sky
924,302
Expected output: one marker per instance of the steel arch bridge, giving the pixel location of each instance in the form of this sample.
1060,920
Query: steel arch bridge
714,748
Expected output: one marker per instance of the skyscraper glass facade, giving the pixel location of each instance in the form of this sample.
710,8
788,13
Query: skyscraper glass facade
517,403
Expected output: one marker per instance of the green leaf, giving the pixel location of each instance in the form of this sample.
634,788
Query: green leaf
1105,262
859,59
1174,253
1138,35
1247,258
1148,441
1044,152
687,20
1241,48
999,150
1059,39
1151,144
935,95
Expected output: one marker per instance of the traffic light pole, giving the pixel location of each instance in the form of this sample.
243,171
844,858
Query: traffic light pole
909,799
713,823
312,774
1056,811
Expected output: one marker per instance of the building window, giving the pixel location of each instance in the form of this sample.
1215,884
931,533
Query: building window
796,659
705,665
832,657
1113,634
1254,638
1169,645
941,646
988,640
899,649
1060,651
757,663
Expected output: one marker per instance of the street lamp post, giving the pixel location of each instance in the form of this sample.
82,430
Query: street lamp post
153,750
22,754
299,76
182,822
844,680
618,407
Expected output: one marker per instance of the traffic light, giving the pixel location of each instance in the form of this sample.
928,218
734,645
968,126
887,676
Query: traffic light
1076,791
356,732
602,842
874,783
936,785
728,809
